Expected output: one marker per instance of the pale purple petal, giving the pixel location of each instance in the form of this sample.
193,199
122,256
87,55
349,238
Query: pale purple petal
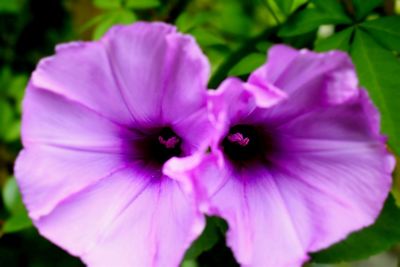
155,67
139,73
81,72
129,218
332,188
68,147
48,174
279,57
311,80
195,130
52,119
260,232
235,101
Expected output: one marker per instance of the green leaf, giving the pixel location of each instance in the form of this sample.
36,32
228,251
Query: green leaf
308,20
364,7
340,40
231,19
209,237
385,30
248,64
107,4
13,202
187,21
112,18
331,6
378,70
189,263
263,46
142,4
396,183
207,38
285,6
6,117
382,235
11,196
14,87
16,222
13,131
11,6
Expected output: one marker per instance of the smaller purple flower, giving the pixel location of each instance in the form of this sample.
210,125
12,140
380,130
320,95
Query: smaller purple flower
100,120
297,161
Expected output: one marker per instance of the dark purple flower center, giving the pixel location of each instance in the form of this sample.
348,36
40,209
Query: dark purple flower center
159,147
167,145
246,143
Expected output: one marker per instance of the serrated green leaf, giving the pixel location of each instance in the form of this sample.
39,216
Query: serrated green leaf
363,7
142,4
378,70
383,234
113,18
385,30
308,20
107,4
340,40
248,64
209,237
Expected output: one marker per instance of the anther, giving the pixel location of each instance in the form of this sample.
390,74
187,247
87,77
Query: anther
239,139
170,142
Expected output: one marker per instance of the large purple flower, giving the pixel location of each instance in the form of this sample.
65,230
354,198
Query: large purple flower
100,120
297,161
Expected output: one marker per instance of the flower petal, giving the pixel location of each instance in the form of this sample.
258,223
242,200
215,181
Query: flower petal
51,119
195,130
279,58
81,72
311,80
260,232
248,99
135,74
129,220
305,204
47,174
333,188
161,66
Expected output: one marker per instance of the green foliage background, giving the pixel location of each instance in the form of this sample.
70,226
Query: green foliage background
235,35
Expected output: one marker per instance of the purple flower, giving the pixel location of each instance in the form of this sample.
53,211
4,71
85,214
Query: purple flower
297,161
100,120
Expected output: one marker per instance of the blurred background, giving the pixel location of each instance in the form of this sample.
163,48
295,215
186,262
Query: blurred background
235,35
